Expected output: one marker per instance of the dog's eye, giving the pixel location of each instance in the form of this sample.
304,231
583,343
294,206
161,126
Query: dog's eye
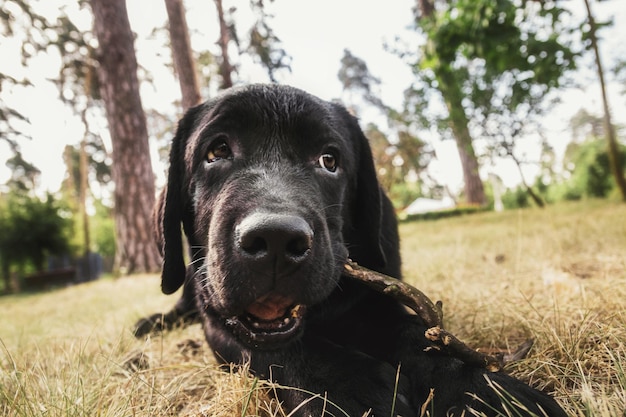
220,150
328,161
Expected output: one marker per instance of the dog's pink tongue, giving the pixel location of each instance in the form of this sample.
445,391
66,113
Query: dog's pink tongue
270,307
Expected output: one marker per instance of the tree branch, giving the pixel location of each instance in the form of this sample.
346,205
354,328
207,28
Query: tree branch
430,313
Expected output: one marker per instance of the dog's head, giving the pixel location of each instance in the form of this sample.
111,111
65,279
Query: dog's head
274,189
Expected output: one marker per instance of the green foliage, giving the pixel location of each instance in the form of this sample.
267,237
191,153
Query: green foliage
486,68
404,193
515,198
32,229
588,172
591,176
103,231
503,37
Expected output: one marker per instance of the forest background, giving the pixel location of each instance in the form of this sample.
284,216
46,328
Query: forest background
535,126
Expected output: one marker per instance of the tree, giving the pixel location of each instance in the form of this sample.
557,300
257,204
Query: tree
399,159
184,62
132,173
86,164
585,124
24,175
261,43
590,175
33,39
355,77
9,133
32,229
264,45
476,50
615,156
226,35
450,86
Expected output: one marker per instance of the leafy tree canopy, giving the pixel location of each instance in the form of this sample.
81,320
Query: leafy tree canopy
503,53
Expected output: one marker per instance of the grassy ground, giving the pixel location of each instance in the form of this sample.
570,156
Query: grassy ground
556,275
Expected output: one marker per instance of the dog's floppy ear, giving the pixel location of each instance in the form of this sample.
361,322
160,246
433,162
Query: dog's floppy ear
173,209
368,208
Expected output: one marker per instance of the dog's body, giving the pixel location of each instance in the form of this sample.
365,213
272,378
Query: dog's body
275,189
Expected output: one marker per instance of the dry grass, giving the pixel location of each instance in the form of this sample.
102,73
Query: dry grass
557,275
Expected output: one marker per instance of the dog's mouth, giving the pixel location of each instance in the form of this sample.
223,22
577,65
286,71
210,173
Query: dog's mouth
270,322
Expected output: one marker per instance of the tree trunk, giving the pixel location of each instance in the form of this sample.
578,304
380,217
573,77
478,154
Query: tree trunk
181,52
453,97
6,276
82,197
448,86
132,169
614,153
226,68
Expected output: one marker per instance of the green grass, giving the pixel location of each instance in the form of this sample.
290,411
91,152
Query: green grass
556,275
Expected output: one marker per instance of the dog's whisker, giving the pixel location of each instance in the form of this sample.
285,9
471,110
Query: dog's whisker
199,260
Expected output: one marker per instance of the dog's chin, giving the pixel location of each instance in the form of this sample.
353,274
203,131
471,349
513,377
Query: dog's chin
271,322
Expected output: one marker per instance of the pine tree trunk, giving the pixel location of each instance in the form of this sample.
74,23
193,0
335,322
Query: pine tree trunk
132,169
226,68
181,52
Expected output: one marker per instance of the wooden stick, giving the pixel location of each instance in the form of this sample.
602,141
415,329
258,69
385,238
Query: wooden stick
430,313
450,343
408,295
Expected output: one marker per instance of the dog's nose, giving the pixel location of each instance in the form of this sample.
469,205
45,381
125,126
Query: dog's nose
274,242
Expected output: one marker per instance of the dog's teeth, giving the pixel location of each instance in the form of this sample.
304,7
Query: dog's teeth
286,320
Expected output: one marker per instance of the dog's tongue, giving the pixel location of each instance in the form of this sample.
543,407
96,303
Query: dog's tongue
270,307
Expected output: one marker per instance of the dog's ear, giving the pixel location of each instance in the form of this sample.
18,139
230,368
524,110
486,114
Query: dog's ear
368,208
173,209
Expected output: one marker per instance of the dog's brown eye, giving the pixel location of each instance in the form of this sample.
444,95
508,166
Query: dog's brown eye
219,151
329,162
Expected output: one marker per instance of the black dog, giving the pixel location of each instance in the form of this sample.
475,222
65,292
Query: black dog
275,189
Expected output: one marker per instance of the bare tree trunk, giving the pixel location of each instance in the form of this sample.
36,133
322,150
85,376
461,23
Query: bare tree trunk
226,68
450,90
132,169
82,163
181,51
474,189
614,153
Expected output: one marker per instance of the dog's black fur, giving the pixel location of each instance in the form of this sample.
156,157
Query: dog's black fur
275,189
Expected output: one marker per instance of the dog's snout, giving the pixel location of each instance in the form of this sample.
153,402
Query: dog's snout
274,242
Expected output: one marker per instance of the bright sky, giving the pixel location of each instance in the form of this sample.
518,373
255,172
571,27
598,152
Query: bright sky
315,35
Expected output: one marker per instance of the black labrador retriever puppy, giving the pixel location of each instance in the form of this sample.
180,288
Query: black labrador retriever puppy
275,189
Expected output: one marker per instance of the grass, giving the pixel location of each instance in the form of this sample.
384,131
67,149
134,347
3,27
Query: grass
556,275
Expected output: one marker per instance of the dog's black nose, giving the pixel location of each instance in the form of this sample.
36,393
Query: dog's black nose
274,242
